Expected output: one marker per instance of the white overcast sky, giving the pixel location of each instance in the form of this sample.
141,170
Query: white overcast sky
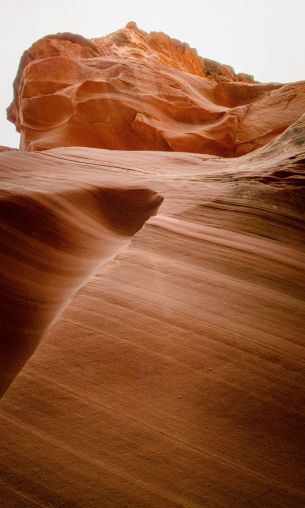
265,38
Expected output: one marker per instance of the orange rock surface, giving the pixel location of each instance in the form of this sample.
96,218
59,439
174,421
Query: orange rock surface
54,236
137,91
174,376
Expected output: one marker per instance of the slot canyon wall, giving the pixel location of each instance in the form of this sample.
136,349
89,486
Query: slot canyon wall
152,244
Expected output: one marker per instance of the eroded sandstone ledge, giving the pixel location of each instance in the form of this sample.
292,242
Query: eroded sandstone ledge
133,90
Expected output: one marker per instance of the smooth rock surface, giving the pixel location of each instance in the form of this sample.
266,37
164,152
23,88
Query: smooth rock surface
176,376
56,232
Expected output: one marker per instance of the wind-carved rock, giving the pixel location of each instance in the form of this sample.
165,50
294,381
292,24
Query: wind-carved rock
175,377
133,90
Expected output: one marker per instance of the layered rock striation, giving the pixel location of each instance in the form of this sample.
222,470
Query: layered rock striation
174,376
56,232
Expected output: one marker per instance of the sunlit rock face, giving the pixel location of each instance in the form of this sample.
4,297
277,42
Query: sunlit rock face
171,370
133,90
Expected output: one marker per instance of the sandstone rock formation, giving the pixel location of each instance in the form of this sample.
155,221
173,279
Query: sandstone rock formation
137,91
54,235
175,376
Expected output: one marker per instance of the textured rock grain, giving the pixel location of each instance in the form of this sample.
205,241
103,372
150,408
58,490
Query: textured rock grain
137,91
175,376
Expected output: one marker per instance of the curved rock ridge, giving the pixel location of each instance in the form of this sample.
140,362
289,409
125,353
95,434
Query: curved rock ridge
66,211
56,232
175,377
133,90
